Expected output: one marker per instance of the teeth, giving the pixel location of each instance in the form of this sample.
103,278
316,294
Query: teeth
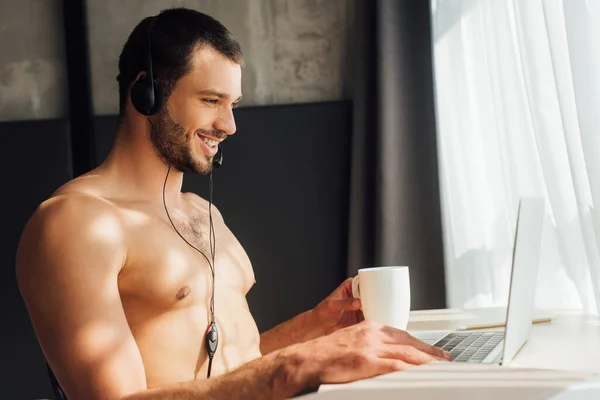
210,142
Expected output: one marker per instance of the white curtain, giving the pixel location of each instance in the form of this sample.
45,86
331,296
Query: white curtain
518,114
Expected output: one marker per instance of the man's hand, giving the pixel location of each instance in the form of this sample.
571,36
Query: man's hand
358,352
339,310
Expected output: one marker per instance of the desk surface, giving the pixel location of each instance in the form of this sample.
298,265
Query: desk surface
570,342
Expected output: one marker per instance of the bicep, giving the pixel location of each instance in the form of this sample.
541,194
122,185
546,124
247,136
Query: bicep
68,278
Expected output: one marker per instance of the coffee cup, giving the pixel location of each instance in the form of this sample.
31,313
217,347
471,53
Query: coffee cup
385,294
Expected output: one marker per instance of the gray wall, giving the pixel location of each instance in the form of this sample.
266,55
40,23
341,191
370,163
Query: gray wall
32,60
296,51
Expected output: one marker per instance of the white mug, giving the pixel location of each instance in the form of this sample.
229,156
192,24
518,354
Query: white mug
385,294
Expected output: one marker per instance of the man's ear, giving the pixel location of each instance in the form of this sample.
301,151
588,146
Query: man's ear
145,96
140,75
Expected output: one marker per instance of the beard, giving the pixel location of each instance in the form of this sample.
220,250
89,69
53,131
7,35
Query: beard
173,144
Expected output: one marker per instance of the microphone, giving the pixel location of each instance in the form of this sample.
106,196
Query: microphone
218,158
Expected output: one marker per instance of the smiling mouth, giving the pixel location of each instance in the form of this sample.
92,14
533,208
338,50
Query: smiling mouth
209,142
211,146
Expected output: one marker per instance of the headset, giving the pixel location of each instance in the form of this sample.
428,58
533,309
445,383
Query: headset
147,98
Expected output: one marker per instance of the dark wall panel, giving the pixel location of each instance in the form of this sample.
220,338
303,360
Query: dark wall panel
35,161
283,191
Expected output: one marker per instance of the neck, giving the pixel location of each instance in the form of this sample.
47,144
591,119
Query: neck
134,162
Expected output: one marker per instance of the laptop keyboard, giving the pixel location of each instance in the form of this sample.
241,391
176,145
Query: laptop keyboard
472,347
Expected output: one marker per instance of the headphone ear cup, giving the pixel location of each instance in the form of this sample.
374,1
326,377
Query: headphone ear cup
142,96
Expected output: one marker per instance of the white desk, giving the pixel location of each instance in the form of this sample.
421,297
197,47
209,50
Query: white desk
570,342
558,354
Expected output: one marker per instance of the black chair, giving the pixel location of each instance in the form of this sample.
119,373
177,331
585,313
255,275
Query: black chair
55,385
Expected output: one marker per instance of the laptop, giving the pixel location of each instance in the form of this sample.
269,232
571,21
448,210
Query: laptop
501,346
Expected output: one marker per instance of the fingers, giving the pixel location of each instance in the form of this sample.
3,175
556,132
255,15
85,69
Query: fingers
345,304
403,337
344,290
346,287
360,317
407,354
427,348
387,365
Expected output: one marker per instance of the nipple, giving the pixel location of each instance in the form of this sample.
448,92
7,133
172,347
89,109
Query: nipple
183,292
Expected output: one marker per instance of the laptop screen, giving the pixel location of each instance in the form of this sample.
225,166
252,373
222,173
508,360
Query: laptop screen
521,298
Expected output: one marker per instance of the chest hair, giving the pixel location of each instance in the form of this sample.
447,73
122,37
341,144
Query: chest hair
194,228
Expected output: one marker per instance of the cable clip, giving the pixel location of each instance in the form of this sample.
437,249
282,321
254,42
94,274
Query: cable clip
212,339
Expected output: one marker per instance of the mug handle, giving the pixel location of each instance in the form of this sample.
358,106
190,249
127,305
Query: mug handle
355,287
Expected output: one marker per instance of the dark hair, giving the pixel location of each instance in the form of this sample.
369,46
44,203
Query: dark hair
176,33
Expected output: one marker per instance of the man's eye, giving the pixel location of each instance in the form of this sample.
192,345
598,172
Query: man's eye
235,105
211,101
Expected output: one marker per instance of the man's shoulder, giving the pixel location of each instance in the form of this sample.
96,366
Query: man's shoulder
74,204
74,217
80,197
66,226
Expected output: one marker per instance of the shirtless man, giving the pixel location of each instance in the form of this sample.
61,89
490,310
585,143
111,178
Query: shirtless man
120,302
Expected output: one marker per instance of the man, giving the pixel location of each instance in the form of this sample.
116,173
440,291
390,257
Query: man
121,303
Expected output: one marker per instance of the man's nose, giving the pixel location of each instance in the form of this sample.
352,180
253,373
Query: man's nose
226,122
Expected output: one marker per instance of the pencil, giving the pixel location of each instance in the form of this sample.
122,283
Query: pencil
500,325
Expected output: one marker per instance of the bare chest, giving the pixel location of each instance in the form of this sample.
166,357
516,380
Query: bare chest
166,289
169,268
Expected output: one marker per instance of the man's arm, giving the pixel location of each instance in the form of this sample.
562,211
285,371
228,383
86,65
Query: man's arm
339,310
271,377
287,333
